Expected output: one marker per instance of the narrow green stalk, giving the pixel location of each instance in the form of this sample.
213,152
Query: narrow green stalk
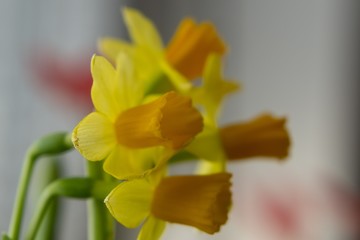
18,211
47,228
51,144
49,171
100,224
73,187
44,202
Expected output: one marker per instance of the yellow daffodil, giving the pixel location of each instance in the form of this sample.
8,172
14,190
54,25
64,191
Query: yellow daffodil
264,136
191,45
120,129
184,58
199,201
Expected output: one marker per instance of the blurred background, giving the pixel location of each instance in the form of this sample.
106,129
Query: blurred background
294,58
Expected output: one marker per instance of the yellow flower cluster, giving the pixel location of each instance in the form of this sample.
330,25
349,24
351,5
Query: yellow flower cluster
146,113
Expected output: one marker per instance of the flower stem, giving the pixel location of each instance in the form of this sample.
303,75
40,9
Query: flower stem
47,229
16,220
49,172
72,187
100,223
50,144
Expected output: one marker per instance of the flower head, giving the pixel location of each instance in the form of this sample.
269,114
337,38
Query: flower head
191,45
120,128
199,201
185,54
264,136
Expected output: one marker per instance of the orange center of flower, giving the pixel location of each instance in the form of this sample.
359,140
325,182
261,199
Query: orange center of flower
263,136
199,201
170,121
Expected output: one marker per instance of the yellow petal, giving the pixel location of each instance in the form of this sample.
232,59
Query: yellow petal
131,90
214,88
130,201
264,136
105,89
148,65
142,30
213,77
152,229
147,60
94,137
126,163
111,47
190,46
170,120
199,201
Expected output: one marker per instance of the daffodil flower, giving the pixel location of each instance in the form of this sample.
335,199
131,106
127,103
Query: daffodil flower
184,57
122,131
191,45
199,201
263,136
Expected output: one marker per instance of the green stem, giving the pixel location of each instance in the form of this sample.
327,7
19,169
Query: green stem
72,187
100,224
47,229
18,210
50,144
49,172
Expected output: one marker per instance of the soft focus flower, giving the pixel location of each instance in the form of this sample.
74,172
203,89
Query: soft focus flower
264,136
191,45
186,53
143,94
199,201
120,127
139,123
214,88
